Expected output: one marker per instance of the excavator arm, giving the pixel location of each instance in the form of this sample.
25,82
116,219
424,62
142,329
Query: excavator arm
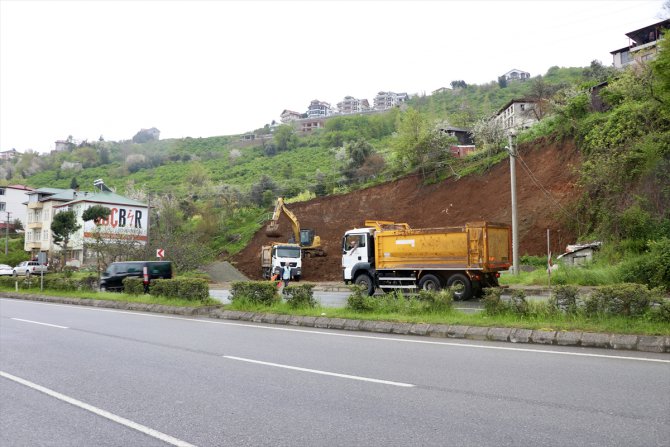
272,229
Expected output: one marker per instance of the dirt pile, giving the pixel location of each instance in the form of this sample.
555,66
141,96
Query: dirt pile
448,203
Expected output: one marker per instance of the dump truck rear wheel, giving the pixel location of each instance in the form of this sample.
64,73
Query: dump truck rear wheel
365,282
461,285
430,282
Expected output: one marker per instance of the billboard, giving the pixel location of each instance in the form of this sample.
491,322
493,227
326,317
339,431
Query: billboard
124,223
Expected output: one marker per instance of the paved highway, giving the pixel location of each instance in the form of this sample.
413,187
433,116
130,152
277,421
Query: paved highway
80,376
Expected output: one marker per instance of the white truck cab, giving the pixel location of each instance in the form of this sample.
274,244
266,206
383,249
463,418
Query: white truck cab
356,251
281,256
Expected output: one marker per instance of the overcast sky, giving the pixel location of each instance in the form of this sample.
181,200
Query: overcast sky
200,69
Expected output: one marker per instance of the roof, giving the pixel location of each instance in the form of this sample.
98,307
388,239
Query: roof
104,197
63,195
639,34
20,187
513,101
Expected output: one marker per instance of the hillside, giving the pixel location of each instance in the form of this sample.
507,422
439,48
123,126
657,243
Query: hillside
451,202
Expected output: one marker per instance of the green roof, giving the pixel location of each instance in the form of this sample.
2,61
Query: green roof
105,197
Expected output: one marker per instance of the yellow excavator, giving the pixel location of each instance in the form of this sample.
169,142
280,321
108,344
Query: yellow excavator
309,242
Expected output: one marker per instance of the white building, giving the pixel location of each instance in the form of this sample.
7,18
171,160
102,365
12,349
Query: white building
516,75
318,109
387,100
13,204
352,105
517,114
288,116
129,220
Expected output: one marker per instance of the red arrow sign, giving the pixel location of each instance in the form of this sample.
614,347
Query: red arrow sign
160,253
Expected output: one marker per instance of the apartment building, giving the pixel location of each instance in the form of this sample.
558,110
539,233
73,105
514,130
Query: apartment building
352,105
517,114
387,100
288,116
318,109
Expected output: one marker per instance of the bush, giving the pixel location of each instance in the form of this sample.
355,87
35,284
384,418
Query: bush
52,282
257,292
564,299
629,300
191,289
133,286
493,303
517,303
660,311
360,301
300,296
440,301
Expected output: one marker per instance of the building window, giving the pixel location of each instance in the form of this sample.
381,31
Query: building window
2,191
2,206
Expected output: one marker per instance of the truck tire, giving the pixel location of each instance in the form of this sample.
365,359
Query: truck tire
461,285
365,282
430,282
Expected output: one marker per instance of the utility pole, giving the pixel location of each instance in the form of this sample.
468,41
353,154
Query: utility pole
515,227
7,233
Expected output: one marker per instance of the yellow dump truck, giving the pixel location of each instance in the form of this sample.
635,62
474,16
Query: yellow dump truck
394,256
279,255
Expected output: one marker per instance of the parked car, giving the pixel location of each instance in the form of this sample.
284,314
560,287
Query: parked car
6,270
28,268
112,277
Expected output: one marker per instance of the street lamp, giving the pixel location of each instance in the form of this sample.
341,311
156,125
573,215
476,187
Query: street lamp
515,228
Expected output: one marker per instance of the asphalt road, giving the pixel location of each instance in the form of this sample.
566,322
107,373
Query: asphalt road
124,379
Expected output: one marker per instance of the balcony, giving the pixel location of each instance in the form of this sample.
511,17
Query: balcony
33,245
35,205
37,224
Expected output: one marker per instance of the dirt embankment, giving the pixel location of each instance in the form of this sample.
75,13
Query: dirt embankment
448,203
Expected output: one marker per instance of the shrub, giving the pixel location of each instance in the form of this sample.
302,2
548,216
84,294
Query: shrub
191,289
439,301
630,300
660,311
360,301
300,296
517,303
52,282
133,286
564,299
493,303
257,292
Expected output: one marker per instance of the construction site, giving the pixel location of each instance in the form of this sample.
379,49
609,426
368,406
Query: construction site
545,182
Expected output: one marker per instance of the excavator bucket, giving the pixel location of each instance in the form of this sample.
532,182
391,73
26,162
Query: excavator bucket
272,230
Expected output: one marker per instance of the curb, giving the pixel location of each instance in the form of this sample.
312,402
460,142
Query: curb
645,343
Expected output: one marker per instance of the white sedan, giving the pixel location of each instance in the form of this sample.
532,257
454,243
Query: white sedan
6,270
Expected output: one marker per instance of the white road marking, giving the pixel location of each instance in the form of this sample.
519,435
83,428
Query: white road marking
368,337
106,414
324,373
43,324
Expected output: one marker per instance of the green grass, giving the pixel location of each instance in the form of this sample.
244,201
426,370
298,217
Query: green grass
615,325
589,275
109,296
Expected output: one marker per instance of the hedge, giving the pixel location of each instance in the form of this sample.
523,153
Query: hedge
257,292
192,289
51,282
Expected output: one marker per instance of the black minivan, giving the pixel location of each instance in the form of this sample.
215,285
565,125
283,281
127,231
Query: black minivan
112,278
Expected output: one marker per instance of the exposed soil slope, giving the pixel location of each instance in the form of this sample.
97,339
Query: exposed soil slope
448,203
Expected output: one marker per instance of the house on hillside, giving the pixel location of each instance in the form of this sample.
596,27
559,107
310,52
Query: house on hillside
441,90
642,45
8,155
318,109
516,75
352,105
517,114
310,124
289,115
388,100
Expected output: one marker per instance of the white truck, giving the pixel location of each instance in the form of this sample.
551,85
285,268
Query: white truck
280,255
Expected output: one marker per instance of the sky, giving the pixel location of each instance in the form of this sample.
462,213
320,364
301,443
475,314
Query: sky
208,68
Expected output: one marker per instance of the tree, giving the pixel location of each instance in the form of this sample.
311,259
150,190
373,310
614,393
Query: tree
502,81
598,72
96,213
285,138
458,84
540,93
74,184
62,227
